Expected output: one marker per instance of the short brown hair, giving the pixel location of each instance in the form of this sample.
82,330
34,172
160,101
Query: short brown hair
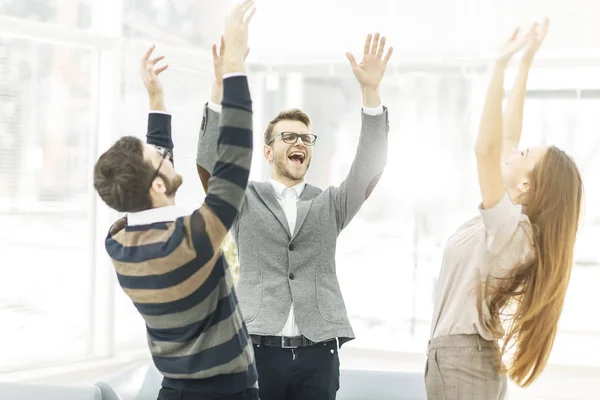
294,114
122,177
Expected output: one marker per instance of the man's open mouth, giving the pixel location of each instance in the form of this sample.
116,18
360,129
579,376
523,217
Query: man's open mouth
297,157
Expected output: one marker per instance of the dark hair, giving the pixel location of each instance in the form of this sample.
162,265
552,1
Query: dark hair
122,177
286,115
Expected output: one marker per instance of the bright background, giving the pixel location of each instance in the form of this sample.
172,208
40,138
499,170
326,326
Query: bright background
69,88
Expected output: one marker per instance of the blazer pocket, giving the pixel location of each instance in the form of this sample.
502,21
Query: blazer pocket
329,298
249,291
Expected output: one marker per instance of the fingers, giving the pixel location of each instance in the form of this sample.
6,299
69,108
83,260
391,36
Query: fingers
381,47
515,34
539,32
222,48
533,28
367,48
388,55
157,59
352,60
249,15
214,52
241,10
375,44
543,29
247,52
516,41
161,69
148,64
148,53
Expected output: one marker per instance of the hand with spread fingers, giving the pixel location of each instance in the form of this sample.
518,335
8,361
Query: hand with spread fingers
150,73
235,38
371,68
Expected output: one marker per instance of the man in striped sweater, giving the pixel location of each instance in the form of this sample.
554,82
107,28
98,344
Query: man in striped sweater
171,265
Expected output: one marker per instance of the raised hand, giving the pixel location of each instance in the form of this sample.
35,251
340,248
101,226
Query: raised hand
515,43
235,37
149,73
536,38
371,68
218,60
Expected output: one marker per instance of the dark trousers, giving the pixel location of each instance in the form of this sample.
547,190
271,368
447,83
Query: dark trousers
303,373
176,394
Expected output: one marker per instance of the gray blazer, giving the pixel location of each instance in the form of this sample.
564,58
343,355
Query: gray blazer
278,267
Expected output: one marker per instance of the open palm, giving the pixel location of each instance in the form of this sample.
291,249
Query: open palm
371,68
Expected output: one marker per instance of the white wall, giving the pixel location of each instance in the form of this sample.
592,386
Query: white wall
298,29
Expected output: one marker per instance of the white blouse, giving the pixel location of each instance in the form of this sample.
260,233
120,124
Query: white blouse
486,247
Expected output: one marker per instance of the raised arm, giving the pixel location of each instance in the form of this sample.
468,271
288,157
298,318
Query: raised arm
371,155
209,131
159,121
513,111
489,143
227,184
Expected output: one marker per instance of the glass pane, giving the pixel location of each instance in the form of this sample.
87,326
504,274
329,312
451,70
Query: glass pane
181,22
186,91
45,114
72,13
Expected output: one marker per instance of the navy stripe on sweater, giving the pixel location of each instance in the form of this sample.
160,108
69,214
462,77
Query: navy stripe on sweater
209,358
225,307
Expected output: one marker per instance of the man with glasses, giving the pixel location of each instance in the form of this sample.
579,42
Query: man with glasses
169,262
286,236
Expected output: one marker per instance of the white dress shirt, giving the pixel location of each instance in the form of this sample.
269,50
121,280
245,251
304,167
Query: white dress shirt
158,214
287,198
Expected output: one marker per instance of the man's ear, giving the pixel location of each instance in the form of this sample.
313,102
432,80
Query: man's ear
268,153
158,185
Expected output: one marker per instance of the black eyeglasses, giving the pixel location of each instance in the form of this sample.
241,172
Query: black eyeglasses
291,138
164,153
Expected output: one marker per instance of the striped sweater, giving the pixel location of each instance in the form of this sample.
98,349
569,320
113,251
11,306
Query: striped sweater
175,273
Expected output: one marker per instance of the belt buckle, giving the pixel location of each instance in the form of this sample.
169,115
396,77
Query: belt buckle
283,343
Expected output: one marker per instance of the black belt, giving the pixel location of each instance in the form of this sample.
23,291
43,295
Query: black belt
283,341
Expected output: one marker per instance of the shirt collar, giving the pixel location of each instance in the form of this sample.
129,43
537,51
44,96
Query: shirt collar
159,214
279,187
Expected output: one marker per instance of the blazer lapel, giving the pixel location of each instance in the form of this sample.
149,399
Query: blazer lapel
266,193
304,204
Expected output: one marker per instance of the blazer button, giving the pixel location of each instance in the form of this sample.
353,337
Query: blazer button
291,247
291,276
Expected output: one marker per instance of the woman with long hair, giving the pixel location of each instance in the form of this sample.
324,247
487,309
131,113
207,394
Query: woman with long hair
505,272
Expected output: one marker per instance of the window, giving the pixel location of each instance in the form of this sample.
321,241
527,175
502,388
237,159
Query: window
45,130
179,22
72,13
